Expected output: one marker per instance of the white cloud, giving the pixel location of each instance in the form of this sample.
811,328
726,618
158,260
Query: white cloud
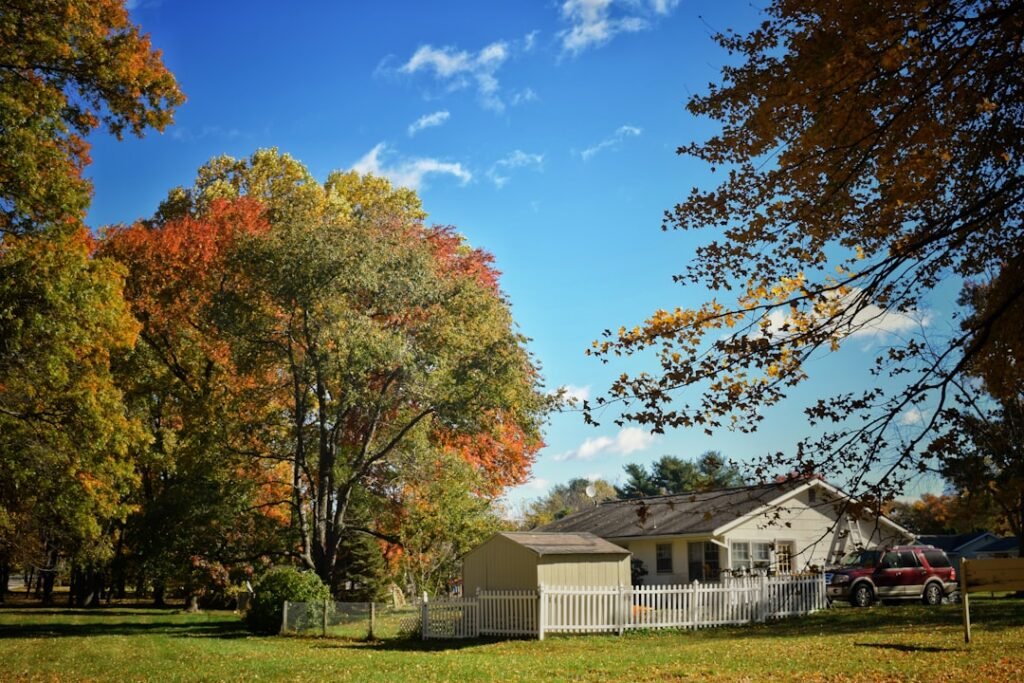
517,159
530,40
408,172
457,69
428,121
595,22
869,321
628,440
522,97
575,393
538,484
911,416
617,137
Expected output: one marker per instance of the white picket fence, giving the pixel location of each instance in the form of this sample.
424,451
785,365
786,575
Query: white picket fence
604,609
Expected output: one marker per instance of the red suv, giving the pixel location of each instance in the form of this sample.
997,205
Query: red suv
901,572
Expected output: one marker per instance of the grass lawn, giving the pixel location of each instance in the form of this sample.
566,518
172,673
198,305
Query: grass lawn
908,642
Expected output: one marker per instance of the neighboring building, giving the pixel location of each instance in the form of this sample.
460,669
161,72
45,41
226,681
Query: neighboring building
958,546
1002,548
781,527
523,561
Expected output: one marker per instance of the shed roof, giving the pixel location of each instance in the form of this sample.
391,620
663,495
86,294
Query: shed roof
582,543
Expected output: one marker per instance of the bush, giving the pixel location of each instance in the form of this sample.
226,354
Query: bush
276,586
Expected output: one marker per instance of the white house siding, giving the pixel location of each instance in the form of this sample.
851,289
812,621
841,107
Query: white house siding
645,550
813,531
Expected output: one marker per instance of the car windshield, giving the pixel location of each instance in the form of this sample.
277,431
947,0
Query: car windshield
861,558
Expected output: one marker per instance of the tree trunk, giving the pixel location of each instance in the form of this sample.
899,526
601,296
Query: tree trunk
47,576
192,604
5,576
158,594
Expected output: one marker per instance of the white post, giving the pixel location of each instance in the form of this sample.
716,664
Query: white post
424,618
542,611
284,618
620,613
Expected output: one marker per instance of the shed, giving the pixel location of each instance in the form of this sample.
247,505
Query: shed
523,561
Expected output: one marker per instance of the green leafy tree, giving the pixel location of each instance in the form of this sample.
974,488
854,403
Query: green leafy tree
565,499
372,337
442,515
671,474
67,67
65,438
639,482
982,456
204,508
870,151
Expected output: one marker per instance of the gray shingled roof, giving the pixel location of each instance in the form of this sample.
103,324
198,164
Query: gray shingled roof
678,514
564,543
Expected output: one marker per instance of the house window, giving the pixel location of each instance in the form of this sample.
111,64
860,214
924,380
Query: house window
750,555
812,496
784,557
740,555
762,555
712,568
663,552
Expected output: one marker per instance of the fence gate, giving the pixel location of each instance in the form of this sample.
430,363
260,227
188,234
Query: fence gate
456,618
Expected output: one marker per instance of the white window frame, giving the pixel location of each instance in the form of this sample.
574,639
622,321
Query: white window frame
750,555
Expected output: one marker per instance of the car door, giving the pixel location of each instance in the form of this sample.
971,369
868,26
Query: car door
888,576
912,575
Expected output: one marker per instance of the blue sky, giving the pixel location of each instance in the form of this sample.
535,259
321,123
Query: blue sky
544,130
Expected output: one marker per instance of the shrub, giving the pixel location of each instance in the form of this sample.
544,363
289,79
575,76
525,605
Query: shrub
276,586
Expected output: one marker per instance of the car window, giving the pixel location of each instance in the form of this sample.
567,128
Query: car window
890,561
908,558
937,558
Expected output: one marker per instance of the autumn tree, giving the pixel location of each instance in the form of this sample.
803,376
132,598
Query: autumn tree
981,452
565,499
204,506
442,514
68,67
65,440
959,512
870,151
381,341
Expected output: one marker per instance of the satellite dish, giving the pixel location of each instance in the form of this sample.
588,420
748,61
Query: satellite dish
591,491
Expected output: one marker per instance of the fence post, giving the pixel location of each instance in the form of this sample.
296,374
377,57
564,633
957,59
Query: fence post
373,618
762,600
284,618
620,613
424,618
542,612
323,621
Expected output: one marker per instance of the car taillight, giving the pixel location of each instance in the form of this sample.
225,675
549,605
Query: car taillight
952,574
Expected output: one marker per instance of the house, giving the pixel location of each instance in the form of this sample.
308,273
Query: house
958,546
524,561
1001,548
781,527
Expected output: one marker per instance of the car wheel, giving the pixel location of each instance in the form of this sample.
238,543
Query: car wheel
862,596
932,594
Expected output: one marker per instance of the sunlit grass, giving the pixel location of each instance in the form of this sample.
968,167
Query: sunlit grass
908,642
